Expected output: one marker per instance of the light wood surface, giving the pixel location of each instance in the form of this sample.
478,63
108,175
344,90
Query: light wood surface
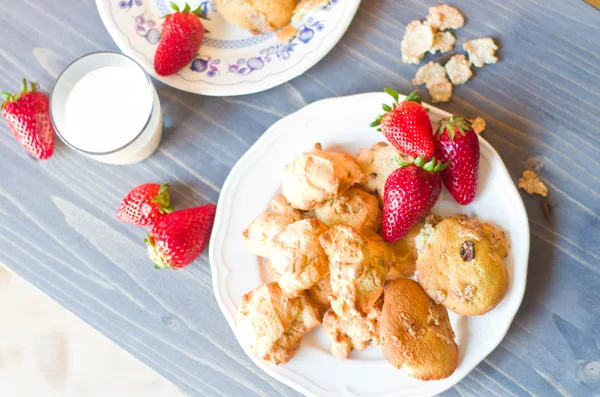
542,106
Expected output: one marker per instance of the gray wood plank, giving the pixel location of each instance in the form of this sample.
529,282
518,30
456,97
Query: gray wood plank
542,105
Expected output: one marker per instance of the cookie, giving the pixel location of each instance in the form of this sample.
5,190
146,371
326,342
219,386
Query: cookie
317,176
257,16
297,257
319,293
377,164
260,232
351,332
460,264
271,324
357,276
404,250
355,207
415,332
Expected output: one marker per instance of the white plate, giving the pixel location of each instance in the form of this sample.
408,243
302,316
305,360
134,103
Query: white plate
342,124
231,61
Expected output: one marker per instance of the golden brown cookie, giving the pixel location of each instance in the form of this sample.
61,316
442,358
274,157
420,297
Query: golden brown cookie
460,264
416,333
319,293
271,324
257,16
260,232
405,250
377,164
297,257
317,176
351,332
357,275
280,205
355,207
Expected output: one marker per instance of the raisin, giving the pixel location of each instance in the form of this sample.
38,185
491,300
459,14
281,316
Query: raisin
467,251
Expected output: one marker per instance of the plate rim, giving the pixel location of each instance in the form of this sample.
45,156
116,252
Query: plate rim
275,130
309,59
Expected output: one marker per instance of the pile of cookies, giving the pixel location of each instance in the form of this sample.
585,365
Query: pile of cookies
433,35
331,266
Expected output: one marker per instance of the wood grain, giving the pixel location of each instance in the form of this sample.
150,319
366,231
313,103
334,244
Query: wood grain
542,106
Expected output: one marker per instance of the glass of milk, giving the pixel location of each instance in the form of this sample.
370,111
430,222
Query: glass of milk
105,106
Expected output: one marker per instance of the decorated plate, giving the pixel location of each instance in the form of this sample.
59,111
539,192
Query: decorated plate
256,179
231,61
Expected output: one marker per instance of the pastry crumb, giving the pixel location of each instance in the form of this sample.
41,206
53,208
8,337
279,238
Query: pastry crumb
443,42
444,17
532,184
478,125
481,51
459,69
429,74
417,40
440,91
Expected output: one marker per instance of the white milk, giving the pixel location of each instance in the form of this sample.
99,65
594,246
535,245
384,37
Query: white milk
104,106
107,109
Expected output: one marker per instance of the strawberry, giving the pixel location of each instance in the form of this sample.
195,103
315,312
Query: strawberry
457,143
409,193
182,35
28,118
406,125
178,238
145,204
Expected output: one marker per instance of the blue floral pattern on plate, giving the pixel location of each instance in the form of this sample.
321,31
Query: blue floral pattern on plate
229,57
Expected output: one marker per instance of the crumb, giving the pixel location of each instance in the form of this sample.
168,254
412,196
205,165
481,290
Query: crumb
417,40
429,74
546,209
478,125
443,42
286,34
481,51
440,91
443,17
532,184
459,69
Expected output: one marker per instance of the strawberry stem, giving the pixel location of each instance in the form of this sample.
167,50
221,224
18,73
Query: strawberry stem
163,199
174,6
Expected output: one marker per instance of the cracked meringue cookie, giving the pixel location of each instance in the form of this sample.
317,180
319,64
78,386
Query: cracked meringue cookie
357,270
297,257
355,207
317,176
271,324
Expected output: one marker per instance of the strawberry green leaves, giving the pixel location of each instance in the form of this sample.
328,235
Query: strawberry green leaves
8,97
452,124
187,9
432,165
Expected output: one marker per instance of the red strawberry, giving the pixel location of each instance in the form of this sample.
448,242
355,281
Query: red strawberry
29,121
182,35
409,193
145,204
406,125
178,238
457,143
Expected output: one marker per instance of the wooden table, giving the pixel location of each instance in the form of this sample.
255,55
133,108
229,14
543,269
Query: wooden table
542,105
